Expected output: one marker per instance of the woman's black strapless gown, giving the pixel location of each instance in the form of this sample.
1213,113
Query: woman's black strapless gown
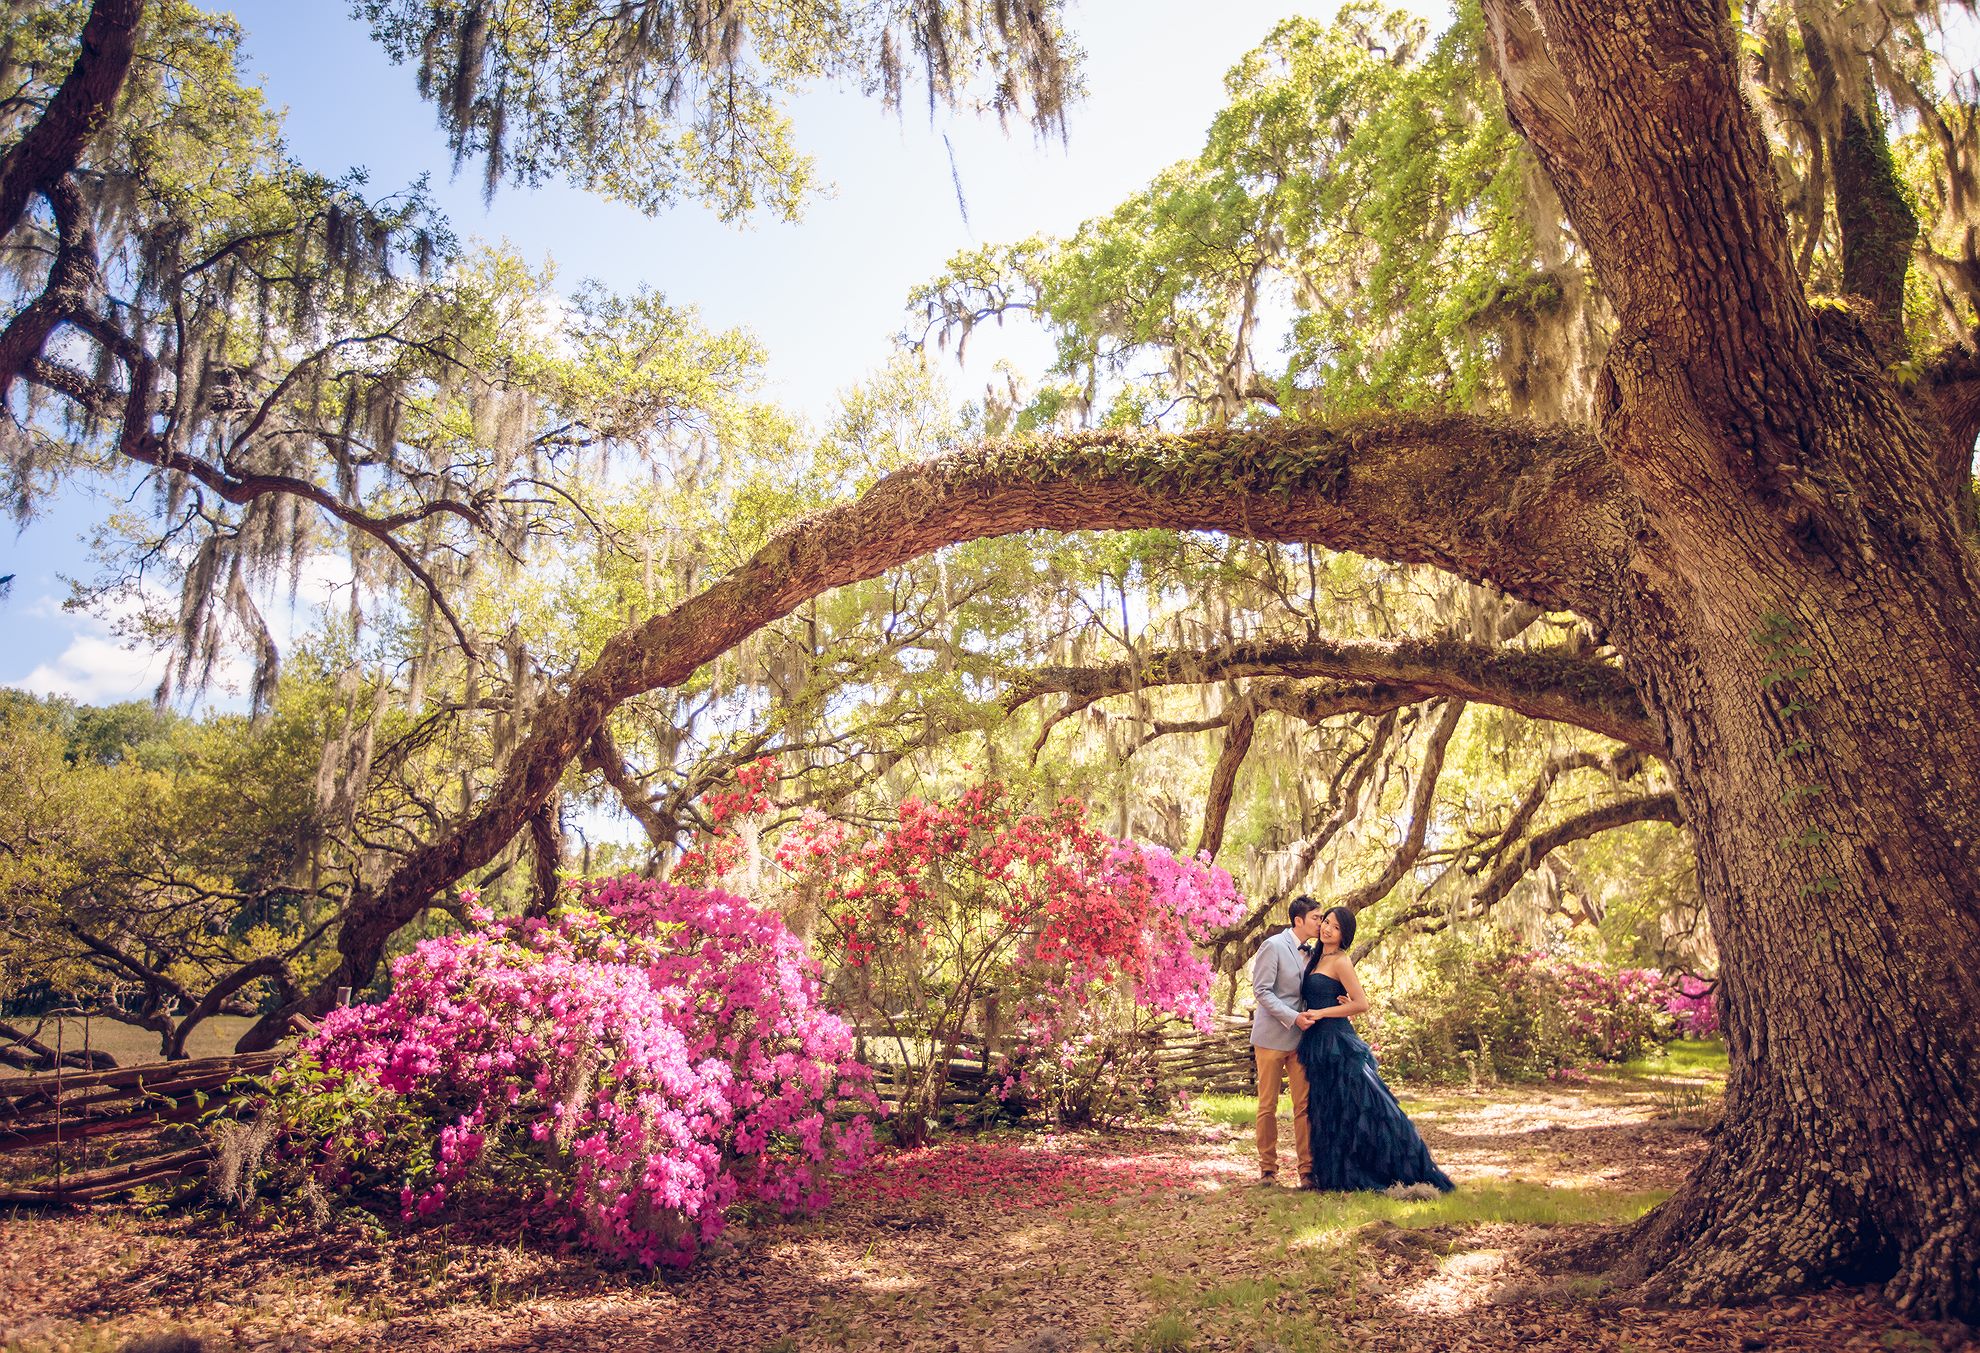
1361,1137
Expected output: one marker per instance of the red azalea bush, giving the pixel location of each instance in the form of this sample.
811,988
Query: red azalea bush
1080,943
640,1062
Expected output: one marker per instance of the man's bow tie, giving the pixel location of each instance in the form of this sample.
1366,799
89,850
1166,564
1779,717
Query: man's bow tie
1306,948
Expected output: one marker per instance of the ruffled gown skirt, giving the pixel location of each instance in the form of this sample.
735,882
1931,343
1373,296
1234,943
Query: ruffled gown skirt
1361,1137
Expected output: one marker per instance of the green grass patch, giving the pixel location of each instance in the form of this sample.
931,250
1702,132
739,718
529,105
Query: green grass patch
1164,1334
1704,1057
1241,1111
1233,1111
1243,1295
1310,1216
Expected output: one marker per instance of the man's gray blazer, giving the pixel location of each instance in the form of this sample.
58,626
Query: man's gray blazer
1275,979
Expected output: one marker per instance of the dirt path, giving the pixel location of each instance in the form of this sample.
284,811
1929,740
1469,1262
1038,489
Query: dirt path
1153,1239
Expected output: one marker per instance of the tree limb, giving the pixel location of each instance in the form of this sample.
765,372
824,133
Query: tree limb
1414,489
1650,808
54,145
1223,780
546,847
1619,100
67,290
38,1056
1556,686
214,1001
1873,210
1618,765
1421,803
602,755
144,972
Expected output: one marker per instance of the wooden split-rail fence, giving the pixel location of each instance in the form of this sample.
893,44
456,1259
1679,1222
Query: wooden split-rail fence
68,1117
1219,1062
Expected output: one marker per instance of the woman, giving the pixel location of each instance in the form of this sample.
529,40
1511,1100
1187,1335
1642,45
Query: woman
1361,1137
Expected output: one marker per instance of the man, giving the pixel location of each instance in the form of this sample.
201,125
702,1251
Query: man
1275,1030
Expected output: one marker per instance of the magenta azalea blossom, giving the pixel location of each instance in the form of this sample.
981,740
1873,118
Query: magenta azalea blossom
663,1048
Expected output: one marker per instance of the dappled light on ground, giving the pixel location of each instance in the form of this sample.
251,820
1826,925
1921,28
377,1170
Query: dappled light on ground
1047,1243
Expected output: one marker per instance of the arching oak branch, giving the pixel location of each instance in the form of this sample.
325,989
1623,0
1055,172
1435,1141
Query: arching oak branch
1535,512
54,145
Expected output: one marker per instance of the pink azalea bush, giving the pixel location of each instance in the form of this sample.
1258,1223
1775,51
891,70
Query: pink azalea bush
1608,1014
1692,1007
1482,1008
657,1053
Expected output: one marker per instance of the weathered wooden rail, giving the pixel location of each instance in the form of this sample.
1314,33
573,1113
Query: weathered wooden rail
1219,1062
58,1110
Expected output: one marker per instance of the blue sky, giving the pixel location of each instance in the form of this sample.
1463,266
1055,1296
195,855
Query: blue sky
825,296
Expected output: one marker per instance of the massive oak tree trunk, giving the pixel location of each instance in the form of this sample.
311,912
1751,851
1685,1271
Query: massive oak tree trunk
1802,617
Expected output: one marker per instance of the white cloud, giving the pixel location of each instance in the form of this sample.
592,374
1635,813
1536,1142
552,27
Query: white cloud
96,670
95,666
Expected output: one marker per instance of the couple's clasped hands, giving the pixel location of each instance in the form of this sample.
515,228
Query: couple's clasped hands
1306,1019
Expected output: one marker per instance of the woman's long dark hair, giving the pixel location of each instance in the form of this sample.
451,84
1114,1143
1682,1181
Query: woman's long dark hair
1344,918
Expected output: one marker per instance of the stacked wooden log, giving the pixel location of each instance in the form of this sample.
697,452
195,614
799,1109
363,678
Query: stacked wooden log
64,1110
1216,1063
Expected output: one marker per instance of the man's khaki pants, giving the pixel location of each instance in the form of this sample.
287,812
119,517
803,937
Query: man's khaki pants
1276,1068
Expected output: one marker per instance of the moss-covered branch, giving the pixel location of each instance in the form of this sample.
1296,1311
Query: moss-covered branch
1558,686
1536,512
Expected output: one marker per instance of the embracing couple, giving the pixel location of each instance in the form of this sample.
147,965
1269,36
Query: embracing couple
1350,1132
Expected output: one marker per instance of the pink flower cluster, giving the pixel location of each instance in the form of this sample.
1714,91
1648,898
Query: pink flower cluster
1179,902
1692,1005
1612,1014
662,1049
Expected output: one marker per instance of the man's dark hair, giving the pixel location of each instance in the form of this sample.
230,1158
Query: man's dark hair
1300,906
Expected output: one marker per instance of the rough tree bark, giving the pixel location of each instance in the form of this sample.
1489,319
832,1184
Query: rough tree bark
1556,686
546,856
1802,616
1223,782
54,145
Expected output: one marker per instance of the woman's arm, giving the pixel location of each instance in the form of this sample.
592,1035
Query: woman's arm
1353,1001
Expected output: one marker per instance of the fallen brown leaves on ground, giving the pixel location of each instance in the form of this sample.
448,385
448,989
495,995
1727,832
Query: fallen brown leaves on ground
1147,1239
